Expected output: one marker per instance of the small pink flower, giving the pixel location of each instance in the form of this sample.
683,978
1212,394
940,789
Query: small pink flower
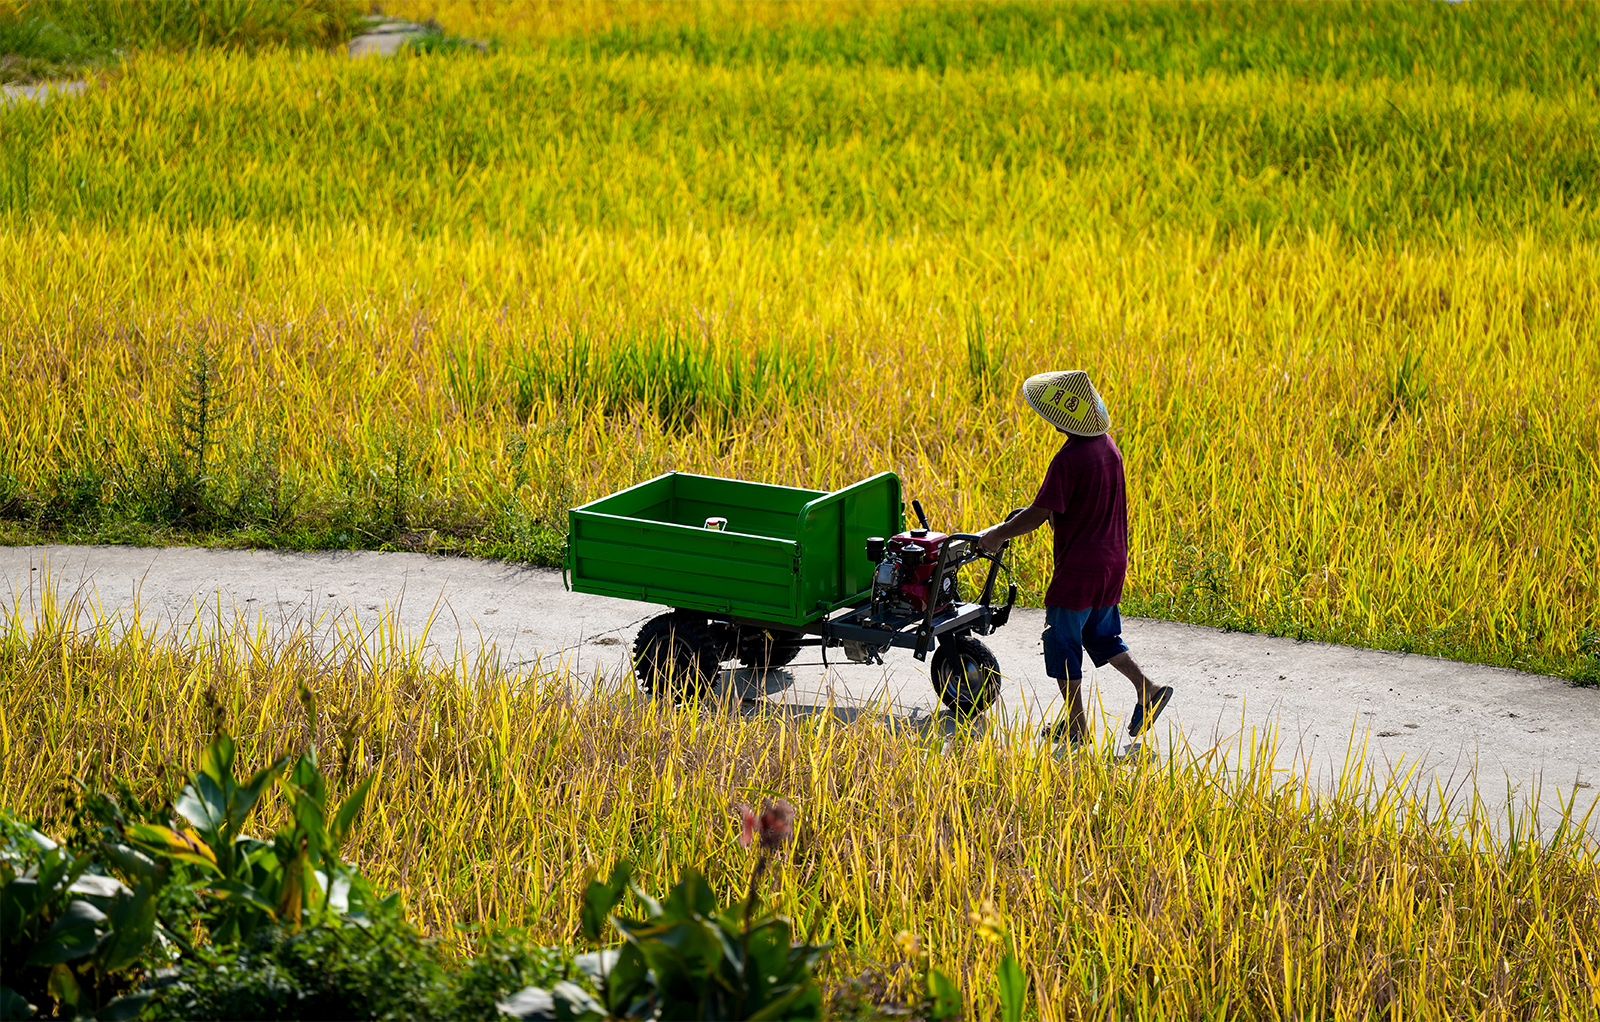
777,824
747,824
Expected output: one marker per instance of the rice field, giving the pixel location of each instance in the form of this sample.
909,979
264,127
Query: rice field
1333,267
1347,329
1181,888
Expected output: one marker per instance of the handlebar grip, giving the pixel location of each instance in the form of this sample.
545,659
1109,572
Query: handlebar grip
916,505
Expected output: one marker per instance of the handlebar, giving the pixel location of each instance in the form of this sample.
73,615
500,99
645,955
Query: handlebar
973,538
946,563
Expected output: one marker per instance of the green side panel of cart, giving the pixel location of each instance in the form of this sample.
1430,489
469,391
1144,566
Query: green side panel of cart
788,556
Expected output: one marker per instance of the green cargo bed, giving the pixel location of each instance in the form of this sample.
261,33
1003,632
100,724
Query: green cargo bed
789,556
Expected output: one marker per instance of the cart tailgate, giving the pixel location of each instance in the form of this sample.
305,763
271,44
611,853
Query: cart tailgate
682,566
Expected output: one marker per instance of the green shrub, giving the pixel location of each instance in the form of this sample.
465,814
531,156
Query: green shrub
385,970
688,958
1587,673
99,925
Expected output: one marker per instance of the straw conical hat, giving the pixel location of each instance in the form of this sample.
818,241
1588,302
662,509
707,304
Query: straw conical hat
1068,401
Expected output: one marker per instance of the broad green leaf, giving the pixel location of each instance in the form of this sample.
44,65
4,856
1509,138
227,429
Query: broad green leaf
63,986
946,995
62,872
312,827
257,852
124,1008
204,805
691,897
733,957
216,763
73,935
92,885
691,945
627,980
233,890
573,1004
596,964
307,794
599,900
133,862
186,846
529,1003
803,1002
132,924
305,776
44,843
768,953
21,901
348,810
1013,989
14,1005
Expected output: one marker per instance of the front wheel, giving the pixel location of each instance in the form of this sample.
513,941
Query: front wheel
966,675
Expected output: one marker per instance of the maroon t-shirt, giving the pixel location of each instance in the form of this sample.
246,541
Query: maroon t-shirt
1085,491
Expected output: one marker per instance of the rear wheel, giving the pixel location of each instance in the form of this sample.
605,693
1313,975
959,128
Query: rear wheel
676,656
966,675
761,649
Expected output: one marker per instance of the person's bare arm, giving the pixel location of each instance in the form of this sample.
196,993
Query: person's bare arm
1031,518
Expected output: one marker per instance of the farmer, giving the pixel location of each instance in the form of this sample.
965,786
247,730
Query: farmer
1083,497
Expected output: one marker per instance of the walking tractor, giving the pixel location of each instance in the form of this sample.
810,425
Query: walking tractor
756,573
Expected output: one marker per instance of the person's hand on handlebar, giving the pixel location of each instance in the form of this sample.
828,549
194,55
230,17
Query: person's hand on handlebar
990,540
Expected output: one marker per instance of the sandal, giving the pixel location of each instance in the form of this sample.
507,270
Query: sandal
1142,719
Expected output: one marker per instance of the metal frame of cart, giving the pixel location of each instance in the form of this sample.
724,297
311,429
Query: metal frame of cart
790,569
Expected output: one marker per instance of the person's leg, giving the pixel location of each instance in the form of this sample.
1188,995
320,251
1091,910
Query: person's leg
1072,692
1063,661
1124,663
1102,637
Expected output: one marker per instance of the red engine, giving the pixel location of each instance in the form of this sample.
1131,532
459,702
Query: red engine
905,572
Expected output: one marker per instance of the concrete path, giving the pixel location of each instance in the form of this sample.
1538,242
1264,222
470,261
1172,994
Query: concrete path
1456,725
40,93
384,37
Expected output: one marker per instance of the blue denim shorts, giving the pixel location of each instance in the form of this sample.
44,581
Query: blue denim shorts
1067,633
